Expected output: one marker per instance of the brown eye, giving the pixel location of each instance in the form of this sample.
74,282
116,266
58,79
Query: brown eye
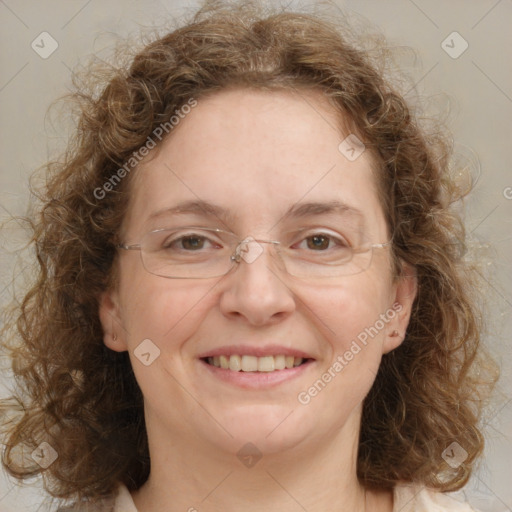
192,243
318,242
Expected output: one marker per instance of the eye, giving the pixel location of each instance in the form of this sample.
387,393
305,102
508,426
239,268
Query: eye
318,242
322,242
192,242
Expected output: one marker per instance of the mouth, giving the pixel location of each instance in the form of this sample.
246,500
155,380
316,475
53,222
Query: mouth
256,367
256,364
256,372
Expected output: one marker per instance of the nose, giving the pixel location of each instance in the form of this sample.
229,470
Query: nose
255,289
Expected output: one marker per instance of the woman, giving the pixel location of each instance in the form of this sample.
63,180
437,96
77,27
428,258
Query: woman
251,291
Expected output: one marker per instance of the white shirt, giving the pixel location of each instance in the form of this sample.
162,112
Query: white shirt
407,498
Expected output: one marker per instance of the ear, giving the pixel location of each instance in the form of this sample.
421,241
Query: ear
110,318
405,289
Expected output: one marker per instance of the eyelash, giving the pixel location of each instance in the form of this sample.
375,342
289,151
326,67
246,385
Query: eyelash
167,244
337,240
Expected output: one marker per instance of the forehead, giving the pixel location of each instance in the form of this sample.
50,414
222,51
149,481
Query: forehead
255,154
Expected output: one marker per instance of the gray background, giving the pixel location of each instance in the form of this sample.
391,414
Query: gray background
478,85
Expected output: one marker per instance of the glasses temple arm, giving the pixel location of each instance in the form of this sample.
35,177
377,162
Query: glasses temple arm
133,247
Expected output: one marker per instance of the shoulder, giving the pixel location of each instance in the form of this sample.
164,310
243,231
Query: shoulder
417,498
120,501
407,498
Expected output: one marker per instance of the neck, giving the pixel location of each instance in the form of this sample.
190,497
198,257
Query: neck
316,476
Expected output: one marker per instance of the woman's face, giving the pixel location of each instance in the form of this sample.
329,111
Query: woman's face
259,164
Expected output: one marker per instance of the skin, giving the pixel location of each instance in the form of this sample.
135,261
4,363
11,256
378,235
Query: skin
255,154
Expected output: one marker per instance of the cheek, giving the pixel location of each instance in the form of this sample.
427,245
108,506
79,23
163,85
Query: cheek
165,311
349,320
346,315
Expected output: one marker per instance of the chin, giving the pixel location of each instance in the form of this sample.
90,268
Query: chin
272,429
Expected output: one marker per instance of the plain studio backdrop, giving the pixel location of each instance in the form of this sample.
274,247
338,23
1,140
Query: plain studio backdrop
463,55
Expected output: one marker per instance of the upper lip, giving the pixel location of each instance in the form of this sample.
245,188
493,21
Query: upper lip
258,351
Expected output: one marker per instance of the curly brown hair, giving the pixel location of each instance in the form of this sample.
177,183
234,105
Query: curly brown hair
83,399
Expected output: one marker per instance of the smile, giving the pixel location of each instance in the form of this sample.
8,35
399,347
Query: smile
256,372
250,363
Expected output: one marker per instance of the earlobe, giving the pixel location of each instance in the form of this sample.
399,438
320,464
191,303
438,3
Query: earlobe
404,296
113,333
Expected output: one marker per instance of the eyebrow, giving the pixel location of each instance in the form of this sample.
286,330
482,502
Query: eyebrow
196,207
206,209
317,208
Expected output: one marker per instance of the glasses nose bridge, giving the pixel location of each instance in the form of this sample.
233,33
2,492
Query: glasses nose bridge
250,249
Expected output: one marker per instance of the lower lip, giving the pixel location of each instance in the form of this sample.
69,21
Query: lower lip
257,380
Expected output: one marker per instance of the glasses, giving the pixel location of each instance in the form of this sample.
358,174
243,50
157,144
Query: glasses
199,253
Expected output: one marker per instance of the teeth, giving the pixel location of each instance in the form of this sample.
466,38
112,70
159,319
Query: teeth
266,364
279,362
250,363
235,363
247,363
